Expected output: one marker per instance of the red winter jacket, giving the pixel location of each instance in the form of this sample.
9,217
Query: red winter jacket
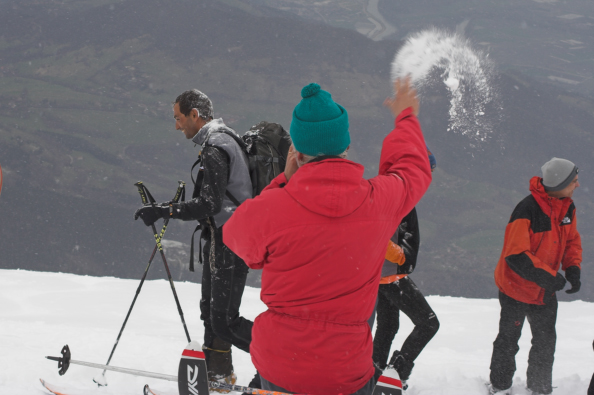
321,241
540,237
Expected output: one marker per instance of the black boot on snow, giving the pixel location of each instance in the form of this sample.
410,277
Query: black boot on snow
219,362
402,365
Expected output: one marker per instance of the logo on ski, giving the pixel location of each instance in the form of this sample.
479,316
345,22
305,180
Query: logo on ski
193,379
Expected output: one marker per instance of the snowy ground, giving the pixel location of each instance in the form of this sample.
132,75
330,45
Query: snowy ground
40,312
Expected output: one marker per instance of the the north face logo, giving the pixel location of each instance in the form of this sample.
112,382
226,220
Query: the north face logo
566,220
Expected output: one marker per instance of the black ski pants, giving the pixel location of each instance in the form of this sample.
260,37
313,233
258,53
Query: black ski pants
402,295
223,280
542,320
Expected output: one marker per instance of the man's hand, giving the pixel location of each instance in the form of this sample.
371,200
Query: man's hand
291,166
572,274
558,283
150,214
404,97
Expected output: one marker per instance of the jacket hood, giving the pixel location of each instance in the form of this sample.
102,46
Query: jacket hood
214,125
332,187
543,199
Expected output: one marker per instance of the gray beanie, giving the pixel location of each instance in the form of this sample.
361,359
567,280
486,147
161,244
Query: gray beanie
558,174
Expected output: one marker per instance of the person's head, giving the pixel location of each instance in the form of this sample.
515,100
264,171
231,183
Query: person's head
560,178
192,110
319,126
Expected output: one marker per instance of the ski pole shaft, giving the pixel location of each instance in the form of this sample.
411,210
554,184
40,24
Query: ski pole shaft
131,306
179,309
178,193
120,370
146,197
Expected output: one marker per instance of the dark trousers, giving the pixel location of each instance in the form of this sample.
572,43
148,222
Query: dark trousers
223,280
404,296
542,319
366,390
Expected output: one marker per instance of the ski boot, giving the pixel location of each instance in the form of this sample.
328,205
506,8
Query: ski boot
402,366
497,391
219,363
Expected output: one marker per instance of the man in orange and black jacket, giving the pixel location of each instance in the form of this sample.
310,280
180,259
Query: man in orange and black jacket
541,237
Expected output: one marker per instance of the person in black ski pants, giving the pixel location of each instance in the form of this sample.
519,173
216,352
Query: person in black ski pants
541,237
222,177
397,292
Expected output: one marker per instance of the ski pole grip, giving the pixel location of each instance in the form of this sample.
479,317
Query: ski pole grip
140,187
145,195
181,191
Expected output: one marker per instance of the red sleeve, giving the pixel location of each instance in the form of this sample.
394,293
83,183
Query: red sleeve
244,236
404,159
573,248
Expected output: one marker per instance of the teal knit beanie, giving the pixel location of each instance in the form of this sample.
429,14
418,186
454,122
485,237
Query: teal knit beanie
319,126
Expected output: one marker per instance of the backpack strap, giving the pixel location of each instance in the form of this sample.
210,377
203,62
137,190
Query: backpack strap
237,139
232,198
192,249
198,161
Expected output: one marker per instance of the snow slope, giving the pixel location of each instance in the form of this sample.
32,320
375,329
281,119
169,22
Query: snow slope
40,312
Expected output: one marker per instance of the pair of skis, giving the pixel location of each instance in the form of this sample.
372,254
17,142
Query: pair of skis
192,376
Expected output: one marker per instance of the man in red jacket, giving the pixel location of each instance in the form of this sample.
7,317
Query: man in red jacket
320,233
540,238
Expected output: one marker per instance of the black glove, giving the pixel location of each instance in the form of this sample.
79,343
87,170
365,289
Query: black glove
572,274
558,283
150,214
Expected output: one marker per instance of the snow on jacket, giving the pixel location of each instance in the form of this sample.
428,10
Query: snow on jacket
540,237
321,241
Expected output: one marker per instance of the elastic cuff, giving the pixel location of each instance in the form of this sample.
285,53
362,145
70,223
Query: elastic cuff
403,114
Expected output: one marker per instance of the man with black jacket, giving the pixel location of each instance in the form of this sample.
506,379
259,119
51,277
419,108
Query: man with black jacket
397,292
222,178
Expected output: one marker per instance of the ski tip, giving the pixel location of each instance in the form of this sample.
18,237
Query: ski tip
50,388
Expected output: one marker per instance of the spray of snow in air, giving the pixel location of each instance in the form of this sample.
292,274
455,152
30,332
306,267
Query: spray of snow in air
434,55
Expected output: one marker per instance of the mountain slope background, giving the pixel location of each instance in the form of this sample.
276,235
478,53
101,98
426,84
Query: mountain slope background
85,111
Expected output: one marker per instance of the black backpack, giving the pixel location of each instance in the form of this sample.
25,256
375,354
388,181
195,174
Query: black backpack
267,146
